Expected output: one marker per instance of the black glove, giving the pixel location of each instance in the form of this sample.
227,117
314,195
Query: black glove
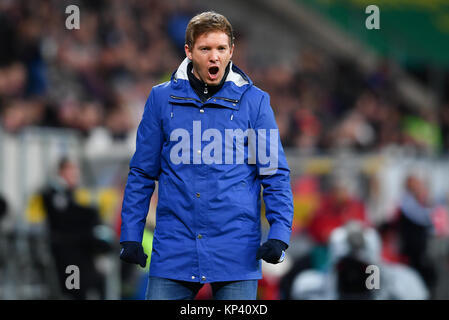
132,252
272,251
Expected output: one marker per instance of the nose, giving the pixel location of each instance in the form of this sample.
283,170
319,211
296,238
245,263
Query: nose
213,56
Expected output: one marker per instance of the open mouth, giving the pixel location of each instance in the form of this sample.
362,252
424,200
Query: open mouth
213,72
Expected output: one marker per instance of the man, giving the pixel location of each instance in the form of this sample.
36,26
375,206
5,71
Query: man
198,137
71,225
335,209
416,227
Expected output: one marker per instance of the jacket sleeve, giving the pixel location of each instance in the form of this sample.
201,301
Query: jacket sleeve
274,174
144,170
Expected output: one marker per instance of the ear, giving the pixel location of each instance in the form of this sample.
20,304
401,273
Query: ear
232,51
187,51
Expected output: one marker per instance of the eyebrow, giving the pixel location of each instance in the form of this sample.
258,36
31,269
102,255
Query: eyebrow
219,46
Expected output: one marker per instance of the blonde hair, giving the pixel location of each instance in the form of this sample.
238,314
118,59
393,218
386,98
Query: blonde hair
205,22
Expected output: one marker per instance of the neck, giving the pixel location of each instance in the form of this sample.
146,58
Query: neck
202,89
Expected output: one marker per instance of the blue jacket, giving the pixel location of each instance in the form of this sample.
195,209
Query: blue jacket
208,224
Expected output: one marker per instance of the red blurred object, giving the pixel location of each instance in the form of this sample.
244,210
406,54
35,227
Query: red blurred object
268,288
205,293
390,251
334,212
440,221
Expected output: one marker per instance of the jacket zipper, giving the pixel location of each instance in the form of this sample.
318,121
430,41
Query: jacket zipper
188,99
193,99
226,99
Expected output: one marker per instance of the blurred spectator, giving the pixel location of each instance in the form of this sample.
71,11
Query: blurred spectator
336,208
416,227
118,121
355,261
328,212
74,231
13,80
4,208
90,117
177,24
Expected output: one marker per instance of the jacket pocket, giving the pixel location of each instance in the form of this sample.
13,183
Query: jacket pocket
247,205
244,194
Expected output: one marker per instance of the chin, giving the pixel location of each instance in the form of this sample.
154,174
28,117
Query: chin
214,82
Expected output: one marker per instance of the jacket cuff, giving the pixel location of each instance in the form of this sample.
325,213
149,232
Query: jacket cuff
131,234
280,233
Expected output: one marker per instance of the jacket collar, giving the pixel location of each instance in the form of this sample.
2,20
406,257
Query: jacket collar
235,85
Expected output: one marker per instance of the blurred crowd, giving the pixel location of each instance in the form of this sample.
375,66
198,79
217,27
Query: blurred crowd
98,77
95,81
336,238
335,241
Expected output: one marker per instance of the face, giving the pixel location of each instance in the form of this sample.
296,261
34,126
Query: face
70,173
210,55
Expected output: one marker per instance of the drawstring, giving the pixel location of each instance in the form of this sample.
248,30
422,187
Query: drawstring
171,113
232,115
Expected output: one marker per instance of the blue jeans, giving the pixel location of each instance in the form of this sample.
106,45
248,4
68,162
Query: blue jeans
166,289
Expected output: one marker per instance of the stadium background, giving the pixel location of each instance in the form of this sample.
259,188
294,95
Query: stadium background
358,110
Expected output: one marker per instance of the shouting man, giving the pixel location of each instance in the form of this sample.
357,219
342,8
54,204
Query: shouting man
210,138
